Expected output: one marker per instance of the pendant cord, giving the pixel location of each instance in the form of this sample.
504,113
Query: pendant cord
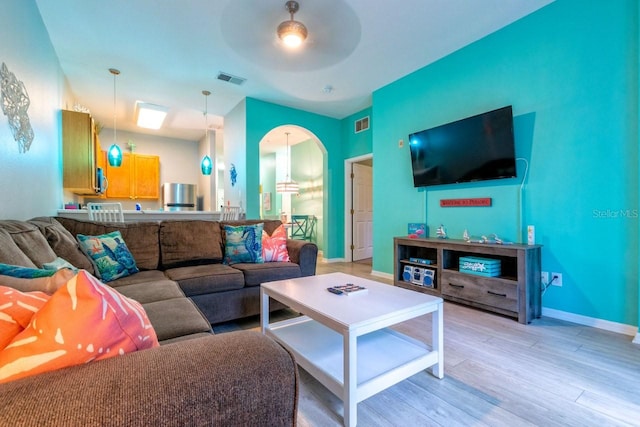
288,154
206,94
114,109
115,74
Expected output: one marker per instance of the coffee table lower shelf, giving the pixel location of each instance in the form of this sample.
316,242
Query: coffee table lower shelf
384,357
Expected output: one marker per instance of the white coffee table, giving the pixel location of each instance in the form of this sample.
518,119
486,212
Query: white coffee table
344,341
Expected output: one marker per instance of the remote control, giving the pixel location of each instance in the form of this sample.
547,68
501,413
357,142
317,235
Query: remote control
335,291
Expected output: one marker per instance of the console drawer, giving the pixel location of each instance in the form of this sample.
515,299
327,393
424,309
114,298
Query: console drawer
478,290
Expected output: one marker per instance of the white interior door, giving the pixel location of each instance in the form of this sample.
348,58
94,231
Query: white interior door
362,211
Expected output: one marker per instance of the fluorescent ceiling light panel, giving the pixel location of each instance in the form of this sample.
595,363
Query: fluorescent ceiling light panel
150,116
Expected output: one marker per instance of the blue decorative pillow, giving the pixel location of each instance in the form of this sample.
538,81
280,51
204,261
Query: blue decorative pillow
243,244
24,272
109,255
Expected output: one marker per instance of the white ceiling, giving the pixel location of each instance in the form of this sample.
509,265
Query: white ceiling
169,51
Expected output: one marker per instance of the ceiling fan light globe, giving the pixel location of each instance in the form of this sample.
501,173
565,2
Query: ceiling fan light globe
292,33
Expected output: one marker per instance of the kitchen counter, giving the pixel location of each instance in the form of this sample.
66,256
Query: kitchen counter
146,215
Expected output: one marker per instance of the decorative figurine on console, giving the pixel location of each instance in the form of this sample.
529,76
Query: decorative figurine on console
441,232
500,241
473,239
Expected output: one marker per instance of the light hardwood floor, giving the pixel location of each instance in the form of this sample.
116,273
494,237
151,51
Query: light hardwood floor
498,372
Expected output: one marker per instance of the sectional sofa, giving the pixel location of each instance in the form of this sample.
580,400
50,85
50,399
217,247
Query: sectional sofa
194,377
191,254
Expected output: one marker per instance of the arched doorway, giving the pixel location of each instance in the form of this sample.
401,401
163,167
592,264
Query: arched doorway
303,162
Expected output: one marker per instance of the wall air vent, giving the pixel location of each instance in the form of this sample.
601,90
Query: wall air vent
226,77
362,124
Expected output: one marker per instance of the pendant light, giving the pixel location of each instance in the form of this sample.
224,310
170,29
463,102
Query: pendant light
288,185
206,165
114,155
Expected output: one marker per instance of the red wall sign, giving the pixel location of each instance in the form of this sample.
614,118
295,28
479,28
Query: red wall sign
456,203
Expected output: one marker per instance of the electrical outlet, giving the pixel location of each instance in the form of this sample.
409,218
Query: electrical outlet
544,277
558,279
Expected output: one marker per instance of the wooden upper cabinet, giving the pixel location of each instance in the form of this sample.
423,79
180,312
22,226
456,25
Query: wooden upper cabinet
119,179
137,178
146,176
78,152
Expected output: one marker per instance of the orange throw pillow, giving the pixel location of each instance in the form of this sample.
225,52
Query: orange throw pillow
274,247
16,310
84,320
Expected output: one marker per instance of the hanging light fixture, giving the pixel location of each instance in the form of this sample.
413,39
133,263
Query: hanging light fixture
114,155
292,33
206,165
288,185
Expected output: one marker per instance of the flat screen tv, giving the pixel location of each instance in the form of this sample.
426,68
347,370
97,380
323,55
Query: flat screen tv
476,148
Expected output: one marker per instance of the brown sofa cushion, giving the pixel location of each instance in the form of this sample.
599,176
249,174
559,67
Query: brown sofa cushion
175,317
29,240
190,242
151,292
255,274
140,277
10,253
63,243
233,379
140,237
205,279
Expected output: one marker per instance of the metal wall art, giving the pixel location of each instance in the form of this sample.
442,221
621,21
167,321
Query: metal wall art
15,103
234,175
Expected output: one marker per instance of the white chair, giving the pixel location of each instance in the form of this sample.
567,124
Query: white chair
105,212
230,213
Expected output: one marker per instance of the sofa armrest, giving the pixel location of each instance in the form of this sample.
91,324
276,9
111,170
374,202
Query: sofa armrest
303,253
237,378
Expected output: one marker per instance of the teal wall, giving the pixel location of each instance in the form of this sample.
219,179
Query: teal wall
31,181
261,117
570,70
357,144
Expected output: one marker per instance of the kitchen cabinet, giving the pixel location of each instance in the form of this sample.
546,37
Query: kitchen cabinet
137,178
79,147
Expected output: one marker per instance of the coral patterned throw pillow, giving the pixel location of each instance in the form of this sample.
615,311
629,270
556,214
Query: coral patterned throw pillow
16,310
274,247
84,320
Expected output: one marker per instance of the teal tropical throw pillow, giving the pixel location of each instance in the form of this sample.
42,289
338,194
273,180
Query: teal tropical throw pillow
109,255
243,244
24,272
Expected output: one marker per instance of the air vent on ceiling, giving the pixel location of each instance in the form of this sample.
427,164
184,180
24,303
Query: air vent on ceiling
362,124
226,77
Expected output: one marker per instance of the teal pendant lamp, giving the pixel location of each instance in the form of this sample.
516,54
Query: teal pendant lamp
114,155
206,165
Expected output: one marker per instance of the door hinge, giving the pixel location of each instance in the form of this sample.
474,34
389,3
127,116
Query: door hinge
352,212
353,175
352,247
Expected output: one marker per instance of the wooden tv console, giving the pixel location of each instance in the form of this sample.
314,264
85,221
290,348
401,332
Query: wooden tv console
516,292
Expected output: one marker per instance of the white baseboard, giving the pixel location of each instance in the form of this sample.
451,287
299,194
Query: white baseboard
330,260
382,274
607,325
